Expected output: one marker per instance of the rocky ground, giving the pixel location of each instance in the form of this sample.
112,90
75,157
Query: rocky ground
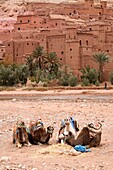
85,106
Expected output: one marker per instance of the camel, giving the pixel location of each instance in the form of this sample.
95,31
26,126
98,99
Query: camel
40,134
67,125
90,136
20,135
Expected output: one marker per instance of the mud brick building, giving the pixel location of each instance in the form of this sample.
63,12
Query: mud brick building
75,31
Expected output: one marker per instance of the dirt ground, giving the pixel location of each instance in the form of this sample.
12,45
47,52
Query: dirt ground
84,105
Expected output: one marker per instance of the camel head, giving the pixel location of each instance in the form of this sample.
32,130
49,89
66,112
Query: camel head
50,130
69,128
70,125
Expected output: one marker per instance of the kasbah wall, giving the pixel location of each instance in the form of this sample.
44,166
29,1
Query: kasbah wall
74,31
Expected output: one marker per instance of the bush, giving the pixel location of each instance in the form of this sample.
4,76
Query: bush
97,83
85,82
89,73
64,80
73,81
111,78
12,74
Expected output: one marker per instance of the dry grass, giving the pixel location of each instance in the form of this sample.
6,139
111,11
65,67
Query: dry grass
59,149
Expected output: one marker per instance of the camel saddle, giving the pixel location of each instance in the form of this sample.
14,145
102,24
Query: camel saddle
94,129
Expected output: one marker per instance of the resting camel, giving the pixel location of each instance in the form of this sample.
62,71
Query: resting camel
67,125
90,136
39,134
20,135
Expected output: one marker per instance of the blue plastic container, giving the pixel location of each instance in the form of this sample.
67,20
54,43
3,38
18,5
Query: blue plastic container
81,148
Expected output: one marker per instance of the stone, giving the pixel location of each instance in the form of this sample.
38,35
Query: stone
5,158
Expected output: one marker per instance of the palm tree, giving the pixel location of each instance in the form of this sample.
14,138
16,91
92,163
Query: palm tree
30,63
52,63
39,57
101,58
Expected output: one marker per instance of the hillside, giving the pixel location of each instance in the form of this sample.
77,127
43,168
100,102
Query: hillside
11,8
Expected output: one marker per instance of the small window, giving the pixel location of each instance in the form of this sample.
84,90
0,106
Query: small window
74,12
1,49
26,37
71,57
27,43
18,28
60,58
20,21
62,52
8,44
90,29
28,20
34,22
56,24
70,49
86,42
80,42
70,13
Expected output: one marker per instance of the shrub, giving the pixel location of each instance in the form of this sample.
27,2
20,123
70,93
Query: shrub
64,80
97,83
85,82
111,78
73,81
89,73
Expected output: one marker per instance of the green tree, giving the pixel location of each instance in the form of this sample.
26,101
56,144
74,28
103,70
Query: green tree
66,77
101,58
31,65
111,77
39,57
8,76
23,74
89,74
52,63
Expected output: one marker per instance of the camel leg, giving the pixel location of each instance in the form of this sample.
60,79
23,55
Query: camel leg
14,140
28,143
19,145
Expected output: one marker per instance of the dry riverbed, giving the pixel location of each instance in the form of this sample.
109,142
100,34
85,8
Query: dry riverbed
52,106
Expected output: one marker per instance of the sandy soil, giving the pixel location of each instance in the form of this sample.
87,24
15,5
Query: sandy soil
52,111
